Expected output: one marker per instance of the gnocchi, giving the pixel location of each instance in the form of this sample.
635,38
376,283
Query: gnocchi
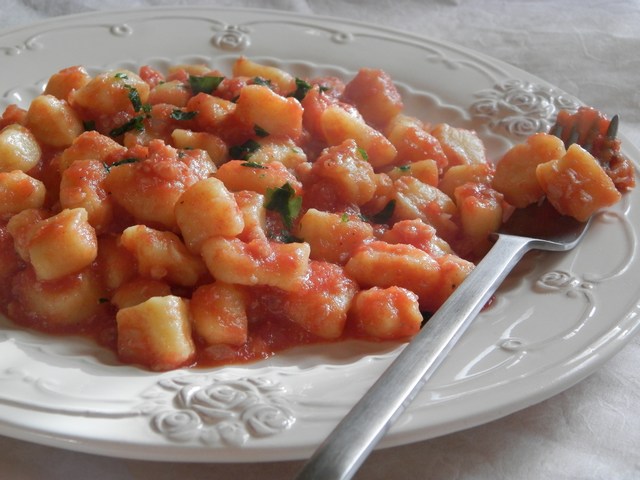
191,218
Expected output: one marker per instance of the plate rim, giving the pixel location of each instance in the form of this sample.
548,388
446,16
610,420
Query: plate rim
392,439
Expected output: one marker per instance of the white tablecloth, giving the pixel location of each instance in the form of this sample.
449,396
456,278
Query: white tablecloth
591,431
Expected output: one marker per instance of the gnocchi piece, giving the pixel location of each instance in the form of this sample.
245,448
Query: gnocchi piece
56,305
53,122
82,186
259,106
321,302
424,170
314,103
251,205
461,146
207,209
62,83
333,237
13,115
373,92
283,82
110,93
149,188
284,151
515,175
350,175
212,112
172,92
19,191
62,244
380,264
258,262
91,146
116,264
339,125
453,271
576,184
19,149
21,227
458,175
413,141
386,313
419,234
238,175
210,143
156,334
219,314
139,290
480,210
161,255
415,199
198,69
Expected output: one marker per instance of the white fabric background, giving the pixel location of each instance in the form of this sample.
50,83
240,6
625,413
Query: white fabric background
591,431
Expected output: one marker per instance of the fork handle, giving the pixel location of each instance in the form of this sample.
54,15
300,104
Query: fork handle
347,447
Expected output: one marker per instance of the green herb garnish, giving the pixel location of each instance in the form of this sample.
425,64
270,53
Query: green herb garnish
89,125
302,88
284,201
253,165
260,132
384,215
244,151
134,98
121,76
404,168
178,114
262,81
205,84
363,153
136,123
124,161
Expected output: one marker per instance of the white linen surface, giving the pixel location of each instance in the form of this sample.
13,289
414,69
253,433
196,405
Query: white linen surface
591,431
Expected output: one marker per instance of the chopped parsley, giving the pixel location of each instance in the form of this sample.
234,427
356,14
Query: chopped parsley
134,98
383,216
404,168
284,201
363,153
262,81
260,132
204,84
253,165
124,161
245,150
178,114
136,123
89,125
302,88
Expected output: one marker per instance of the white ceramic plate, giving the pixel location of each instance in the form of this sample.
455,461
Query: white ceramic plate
555,320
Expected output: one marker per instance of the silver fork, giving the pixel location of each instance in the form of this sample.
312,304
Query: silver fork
538,227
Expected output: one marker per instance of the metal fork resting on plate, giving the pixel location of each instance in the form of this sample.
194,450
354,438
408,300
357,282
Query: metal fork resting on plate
537,227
